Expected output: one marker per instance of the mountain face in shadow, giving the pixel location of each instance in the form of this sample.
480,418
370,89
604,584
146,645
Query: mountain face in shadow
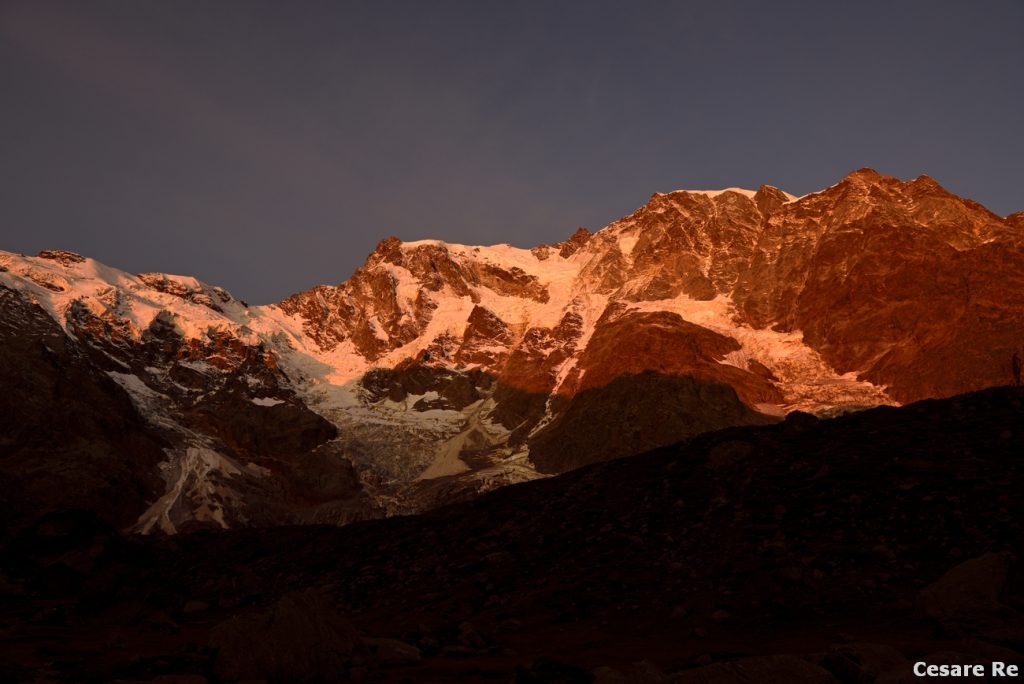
69,435
808,550
438,371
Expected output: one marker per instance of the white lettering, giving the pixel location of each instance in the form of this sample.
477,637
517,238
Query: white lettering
923,669
1003,670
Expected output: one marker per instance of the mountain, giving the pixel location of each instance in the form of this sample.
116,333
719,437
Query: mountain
836,550
440,371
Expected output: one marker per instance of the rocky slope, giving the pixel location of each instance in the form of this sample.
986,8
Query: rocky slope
838,550
438,371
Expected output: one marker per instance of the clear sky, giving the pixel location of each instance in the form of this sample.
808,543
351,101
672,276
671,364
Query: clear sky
268,146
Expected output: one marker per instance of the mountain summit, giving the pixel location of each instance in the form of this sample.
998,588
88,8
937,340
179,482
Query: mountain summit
441,370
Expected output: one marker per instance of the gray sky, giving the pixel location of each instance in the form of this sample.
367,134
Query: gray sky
268,146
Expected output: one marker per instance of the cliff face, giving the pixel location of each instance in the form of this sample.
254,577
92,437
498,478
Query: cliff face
883,278
907,285
438,371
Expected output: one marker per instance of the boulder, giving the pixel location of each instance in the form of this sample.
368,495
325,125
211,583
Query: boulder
967,596
865,662
301,638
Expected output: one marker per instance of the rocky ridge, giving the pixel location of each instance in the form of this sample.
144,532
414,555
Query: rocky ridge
438,371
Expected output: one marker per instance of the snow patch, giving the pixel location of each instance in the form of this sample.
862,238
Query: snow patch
627,243
715,193
806,380
134,385
191,479
55,286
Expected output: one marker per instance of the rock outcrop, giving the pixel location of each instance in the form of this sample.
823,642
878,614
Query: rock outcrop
440,370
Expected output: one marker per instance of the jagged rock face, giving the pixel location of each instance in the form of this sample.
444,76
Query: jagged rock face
486,340
455,391
440,370
1014,223
647,380
69,435
196,292
662,342
534,363
387,302
631,412
691,244
61,256
885,279
157,415
903,283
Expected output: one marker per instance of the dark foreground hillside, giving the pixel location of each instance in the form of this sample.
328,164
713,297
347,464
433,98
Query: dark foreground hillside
808,551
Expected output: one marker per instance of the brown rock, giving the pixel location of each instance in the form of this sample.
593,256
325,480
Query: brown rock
867,662
968,595
300,638
393,652
782,669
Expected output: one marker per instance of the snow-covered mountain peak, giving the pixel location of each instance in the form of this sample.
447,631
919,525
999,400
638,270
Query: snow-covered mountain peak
715,193
486,364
